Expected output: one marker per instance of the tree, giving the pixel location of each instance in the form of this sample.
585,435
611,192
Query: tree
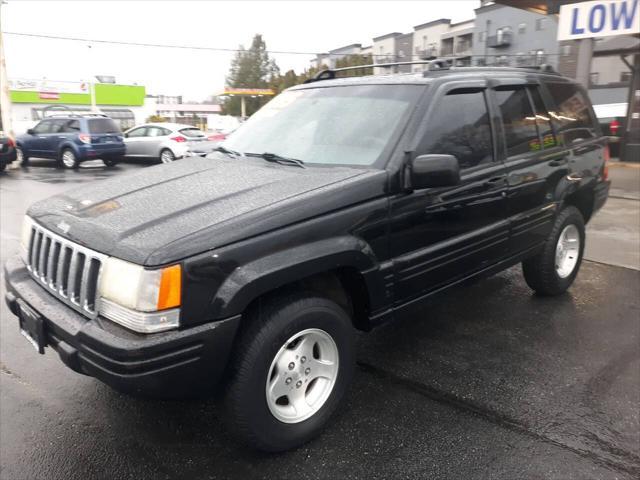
250,68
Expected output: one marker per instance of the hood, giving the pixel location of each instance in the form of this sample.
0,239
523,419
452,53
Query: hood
148,216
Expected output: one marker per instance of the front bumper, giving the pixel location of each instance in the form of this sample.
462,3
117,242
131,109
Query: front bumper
167,364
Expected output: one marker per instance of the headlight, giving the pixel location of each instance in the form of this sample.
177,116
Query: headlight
143,300
25,237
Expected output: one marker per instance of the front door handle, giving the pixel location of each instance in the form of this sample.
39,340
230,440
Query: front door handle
558,162
492,182
574,177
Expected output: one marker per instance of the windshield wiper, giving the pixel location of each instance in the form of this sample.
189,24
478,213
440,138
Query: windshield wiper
231,153
275,158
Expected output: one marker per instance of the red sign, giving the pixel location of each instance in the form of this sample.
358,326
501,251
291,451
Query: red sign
49,96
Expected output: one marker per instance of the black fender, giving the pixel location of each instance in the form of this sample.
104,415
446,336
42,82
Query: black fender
264,274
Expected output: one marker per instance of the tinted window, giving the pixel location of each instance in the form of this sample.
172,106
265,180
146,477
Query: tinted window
137,132
572,114
543,119
192,132
43,127
461,128
520,132
103,125
70,126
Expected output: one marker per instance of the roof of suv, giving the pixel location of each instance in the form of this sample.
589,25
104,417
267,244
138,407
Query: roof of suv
426,77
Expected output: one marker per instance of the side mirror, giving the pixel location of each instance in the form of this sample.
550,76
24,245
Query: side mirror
434,171
30,131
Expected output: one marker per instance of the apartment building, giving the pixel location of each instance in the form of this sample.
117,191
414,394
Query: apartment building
426,40
509,36
384,51
457,43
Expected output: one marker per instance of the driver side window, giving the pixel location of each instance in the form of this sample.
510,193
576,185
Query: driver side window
43,127
461,127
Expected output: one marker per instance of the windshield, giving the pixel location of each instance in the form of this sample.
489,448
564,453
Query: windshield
349,125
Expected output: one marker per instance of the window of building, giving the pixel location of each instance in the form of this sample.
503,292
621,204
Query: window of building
625,77
401,53
522,27
520,131
482,36
594,77
461,128
572,116
566,50
424,41
541,24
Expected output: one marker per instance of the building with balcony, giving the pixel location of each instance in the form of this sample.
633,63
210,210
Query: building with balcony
426,40
457,43
508,36
404,51
384,51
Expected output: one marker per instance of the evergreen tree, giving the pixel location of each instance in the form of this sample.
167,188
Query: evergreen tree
250,68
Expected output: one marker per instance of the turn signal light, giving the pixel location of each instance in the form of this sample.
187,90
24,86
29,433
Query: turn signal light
170,291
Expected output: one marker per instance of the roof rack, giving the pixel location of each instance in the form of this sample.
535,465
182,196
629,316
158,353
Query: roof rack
76,115
432,65
330,74
543,67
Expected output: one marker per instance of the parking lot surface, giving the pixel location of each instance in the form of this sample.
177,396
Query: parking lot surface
487,381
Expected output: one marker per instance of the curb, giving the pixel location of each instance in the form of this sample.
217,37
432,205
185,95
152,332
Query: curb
623,165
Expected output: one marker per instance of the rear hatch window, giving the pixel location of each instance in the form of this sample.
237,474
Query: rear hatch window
103,125
192,133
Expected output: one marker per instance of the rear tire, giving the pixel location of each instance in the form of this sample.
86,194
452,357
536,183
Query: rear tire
289,371
553,270
111,162
21,158
167,156
68,159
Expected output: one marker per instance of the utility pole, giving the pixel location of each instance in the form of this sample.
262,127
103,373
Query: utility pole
92,88
5,98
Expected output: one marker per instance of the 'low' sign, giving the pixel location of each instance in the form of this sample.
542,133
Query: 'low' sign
598,19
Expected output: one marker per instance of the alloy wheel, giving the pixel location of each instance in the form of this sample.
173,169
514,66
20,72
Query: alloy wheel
302,375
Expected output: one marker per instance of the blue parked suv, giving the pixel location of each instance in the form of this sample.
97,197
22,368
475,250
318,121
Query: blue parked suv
71,139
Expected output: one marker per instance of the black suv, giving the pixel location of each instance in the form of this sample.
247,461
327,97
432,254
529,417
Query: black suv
334,208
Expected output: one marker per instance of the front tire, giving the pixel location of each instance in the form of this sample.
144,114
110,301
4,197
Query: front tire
68,159
290,371
553,270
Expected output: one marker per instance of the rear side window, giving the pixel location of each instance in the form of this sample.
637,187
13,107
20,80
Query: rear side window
572,115
103,125
71,126
461,127
192,132
520,131
543,119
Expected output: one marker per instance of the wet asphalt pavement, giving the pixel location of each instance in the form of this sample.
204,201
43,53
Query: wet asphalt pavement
488,381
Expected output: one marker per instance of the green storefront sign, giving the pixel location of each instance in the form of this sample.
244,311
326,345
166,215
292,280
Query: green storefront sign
106,94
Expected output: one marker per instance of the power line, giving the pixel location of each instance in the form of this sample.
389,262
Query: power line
139,44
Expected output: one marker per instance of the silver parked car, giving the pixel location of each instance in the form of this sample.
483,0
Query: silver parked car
167,142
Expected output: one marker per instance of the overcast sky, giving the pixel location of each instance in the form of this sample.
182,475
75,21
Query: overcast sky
301,26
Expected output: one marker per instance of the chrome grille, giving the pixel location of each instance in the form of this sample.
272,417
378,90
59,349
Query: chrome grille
68,270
